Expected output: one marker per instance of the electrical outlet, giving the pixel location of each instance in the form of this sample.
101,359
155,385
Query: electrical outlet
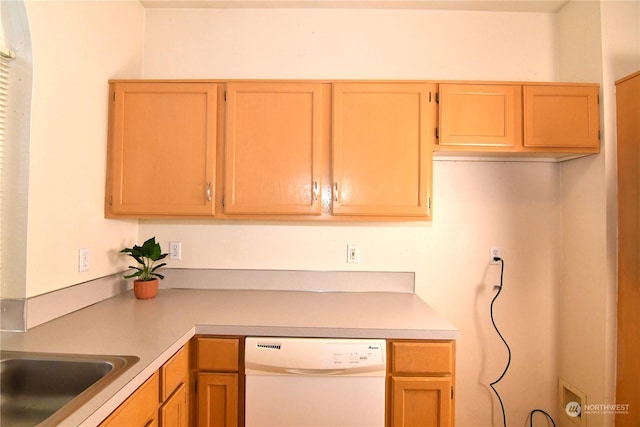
496,252
83,259
353,254
175,250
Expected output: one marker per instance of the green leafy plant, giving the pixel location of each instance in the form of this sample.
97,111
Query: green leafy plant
147,257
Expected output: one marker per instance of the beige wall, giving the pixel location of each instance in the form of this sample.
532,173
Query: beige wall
77,47
477,204
599,42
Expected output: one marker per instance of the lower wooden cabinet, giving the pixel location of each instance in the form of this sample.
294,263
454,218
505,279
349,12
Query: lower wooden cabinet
174,380
217,400
140,409
219,391
420,387
421,401
175,410
162,401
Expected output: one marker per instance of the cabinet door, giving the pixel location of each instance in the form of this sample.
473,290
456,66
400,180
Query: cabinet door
162,148
382,148
421,402
217,400
140,409
564,117
174,372
476,115
174,412
273,148
217,354
422,357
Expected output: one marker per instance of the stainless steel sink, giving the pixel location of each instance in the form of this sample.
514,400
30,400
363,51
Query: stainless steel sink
44,388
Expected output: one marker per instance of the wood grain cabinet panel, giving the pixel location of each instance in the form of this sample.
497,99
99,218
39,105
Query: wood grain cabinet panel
561,117
174,381
219,391
217,354
273,148
175,410
174,373
546,119
480,115
421,402
140,409
418,357
628,132
162,148
382,148
217,400
421,382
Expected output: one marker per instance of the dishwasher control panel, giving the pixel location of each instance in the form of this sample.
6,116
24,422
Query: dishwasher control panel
315,356
348,355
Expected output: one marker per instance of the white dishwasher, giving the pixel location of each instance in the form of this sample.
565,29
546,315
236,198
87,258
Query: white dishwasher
314,382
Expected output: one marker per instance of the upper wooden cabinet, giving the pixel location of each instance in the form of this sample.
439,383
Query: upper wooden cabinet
562,117
530,119
488,116
273,148
327,150
162,148
382,148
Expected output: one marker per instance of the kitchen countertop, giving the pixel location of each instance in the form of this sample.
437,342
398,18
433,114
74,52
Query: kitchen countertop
155,329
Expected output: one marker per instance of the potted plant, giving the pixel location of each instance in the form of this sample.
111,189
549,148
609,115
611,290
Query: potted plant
146,284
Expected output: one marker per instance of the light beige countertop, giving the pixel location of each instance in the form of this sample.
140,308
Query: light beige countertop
155,329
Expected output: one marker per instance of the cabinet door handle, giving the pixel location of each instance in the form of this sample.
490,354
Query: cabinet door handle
315,190
208,191
335,191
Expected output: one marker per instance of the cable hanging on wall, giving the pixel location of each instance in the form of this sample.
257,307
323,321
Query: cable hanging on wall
499,287
506,368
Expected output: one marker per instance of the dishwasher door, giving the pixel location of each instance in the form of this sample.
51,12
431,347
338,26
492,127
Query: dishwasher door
314,382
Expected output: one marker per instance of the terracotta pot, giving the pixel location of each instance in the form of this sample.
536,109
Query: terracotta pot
145,290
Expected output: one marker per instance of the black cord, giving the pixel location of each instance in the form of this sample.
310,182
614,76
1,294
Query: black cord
504,417
543,412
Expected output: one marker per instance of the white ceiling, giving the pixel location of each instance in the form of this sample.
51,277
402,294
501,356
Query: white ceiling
538,6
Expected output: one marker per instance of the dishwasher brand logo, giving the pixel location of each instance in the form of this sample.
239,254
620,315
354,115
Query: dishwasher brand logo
374,347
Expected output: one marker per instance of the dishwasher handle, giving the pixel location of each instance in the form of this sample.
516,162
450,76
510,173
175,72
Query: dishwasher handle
315,372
